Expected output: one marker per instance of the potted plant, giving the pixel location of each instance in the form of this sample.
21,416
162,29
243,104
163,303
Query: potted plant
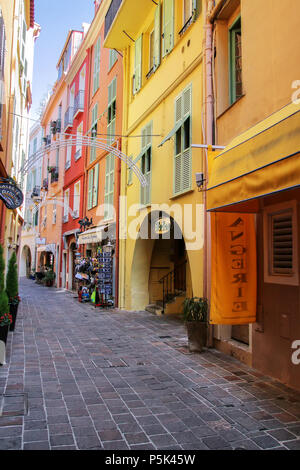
49,278
12,289
195,312
5,317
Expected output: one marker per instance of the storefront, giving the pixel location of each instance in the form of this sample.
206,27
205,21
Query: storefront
95,265
257,177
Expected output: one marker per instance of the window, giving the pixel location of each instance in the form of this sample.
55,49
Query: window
82,79
66,205
94,131
76,202
93,186
111,111
281,245
137,77
168,26
109,187
96,74
146,163
187,10
235,60
79,135
151,50
68,157
183,155
113,57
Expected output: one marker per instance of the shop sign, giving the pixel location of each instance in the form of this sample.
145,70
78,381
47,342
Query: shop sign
40,241
162,225
10,194
234,272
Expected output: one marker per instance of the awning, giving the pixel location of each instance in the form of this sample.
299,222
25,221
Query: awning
49,248
97,234
261,161
173,131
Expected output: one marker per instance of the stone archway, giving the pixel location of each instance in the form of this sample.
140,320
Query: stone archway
155,255
25,262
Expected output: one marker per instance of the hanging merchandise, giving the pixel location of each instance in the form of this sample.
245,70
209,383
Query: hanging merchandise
105,278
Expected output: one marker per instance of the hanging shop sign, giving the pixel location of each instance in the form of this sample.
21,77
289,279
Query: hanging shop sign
162,225
10,194
234,273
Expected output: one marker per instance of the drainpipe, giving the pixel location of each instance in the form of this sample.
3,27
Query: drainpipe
119,147
209,104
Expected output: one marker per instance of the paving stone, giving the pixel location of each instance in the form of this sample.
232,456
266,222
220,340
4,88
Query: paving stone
61,439
163,392
42,445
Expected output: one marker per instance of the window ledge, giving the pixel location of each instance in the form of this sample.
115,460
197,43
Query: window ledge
183,193
231,106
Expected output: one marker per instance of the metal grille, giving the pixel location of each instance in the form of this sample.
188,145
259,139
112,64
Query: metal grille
282,243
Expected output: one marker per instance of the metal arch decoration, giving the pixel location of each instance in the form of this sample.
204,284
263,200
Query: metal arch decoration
84,141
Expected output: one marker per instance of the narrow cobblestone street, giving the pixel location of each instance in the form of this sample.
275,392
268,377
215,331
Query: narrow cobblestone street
80,378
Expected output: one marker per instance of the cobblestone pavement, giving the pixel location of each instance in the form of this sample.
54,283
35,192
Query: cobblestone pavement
81,378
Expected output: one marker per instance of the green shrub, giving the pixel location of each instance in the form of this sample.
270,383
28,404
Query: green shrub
195,309
12,285
4,308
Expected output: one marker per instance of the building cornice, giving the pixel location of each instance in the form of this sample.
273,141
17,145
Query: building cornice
88,41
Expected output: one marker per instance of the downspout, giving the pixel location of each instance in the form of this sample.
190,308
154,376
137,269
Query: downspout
209,102
119,147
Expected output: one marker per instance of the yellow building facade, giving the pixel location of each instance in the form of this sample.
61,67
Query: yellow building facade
162,223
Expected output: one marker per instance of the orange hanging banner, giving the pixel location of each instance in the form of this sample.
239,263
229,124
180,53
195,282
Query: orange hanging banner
233,267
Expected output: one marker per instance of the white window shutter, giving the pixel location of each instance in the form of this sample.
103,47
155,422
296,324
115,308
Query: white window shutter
138,64
157,36
168,26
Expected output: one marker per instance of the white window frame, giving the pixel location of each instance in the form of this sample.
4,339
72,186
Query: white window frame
76,201
270,277
66,206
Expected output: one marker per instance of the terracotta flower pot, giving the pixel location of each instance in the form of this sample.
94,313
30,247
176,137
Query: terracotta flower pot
197,335
3,339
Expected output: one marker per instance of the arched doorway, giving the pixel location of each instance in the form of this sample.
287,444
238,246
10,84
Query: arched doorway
25,262
160,269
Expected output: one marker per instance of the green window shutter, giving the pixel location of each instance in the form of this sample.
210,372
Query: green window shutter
168,26
94,123
96,74
138,65
111,114
95,185
113,56
90,189
157,36
109,186
183,158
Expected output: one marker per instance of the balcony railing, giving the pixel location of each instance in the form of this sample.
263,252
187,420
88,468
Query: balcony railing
45,184
110,15
54,176
79,103
36,192
68,122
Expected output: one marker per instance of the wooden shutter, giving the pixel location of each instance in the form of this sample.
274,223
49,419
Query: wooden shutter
95,185
109,186
138,64
90,189
157,36
168,26
282,243
111,125
183,159
96,74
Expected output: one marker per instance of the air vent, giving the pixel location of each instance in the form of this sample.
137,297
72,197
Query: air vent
282,243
